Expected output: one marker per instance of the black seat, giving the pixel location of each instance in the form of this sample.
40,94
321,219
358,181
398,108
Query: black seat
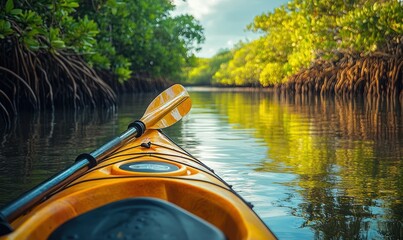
137,218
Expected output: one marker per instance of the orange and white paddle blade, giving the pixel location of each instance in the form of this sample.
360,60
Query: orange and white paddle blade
167,108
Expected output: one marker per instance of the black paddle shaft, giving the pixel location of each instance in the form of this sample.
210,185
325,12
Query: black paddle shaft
82,164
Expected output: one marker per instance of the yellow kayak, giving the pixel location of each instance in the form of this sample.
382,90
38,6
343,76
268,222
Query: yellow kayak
139,186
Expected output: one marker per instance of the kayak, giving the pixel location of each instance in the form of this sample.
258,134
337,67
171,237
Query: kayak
140,185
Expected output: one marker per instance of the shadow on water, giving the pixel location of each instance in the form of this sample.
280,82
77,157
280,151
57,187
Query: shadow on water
41,144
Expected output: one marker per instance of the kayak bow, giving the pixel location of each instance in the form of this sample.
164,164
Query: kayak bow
143,186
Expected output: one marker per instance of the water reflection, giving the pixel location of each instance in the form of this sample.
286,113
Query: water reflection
41,144
314,167
346,156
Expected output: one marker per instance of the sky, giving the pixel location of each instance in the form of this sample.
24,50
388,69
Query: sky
225,21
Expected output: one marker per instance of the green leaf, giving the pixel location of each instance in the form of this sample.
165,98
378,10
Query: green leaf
5,28
58,44
33,33
9,6
31,43
16,12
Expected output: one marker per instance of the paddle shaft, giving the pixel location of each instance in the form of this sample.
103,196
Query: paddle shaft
35,195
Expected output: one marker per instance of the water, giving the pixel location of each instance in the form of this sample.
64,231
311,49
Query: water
313,167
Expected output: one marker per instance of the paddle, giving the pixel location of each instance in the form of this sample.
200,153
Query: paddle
166,109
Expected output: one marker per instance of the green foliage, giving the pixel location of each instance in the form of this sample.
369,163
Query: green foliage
271,73
81,35
365,28
296,34
242,69
54,40
48,25
199,74
5,29
141,37
203,70
119,36
9,8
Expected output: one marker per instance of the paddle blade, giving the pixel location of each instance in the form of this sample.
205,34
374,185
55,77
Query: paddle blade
167,108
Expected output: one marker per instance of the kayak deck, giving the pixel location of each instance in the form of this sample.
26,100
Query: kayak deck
151,166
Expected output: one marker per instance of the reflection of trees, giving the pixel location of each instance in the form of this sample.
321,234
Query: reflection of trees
44,143
337,217
41,144
348,154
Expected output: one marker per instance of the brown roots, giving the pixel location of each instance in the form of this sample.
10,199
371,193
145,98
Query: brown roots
379,74
44,79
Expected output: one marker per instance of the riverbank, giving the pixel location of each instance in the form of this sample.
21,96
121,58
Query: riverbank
72,83
63,88
378,74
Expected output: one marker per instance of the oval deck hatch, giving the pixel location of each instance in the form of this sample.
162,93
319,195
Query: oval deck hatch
149,166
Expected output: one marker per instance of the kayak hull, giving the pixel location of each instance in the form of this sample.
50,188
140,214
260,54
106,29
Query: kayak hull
151,166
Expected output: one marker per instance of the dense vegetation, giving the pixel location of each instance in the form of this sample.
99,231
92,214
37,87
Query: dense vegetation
303,33
202,72
81,52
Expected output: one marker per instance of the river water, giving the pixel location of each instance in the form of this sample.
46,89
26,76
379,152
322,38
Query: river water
313,167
